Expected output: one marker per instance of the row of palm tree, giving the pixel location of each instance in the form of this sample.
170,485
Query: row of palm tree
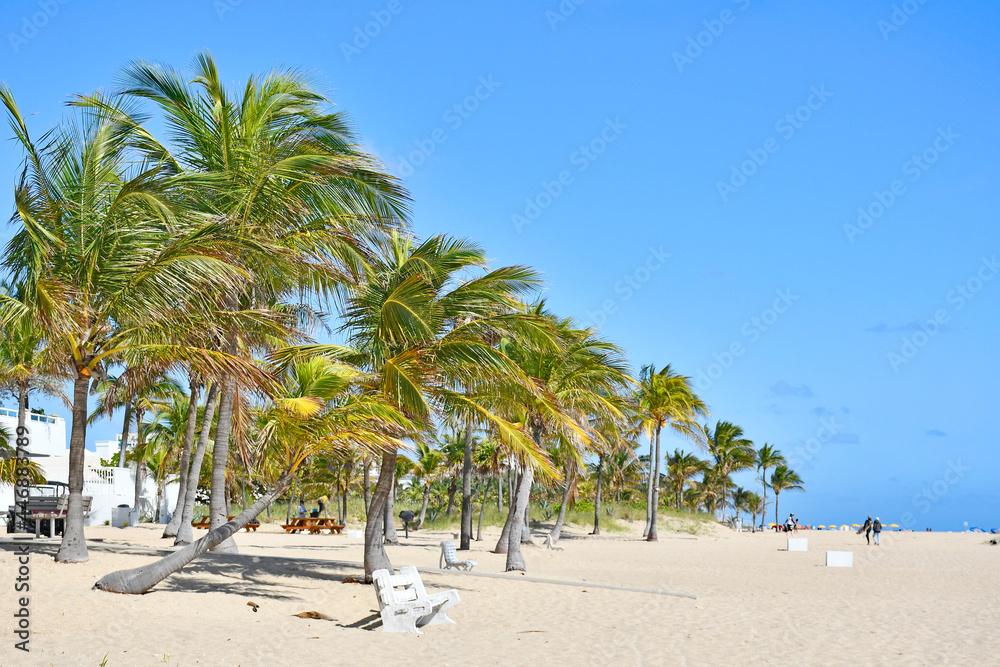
187,278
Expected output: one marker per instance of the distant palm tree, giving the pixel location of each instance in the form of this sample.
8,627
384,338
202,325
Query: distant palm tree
426,469
768,457
784,479
731,452
664,398
681,468
754,504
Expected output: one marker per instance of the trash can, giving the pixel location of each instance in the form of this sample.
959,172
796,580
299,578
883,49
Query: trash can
123,516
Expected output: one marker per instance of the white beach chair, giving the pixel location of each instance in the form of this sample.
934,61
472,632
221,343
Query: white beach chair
404,603
550,545
449,558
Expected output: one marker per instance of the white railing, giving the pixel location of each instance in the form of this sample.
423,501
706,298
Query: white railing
47,419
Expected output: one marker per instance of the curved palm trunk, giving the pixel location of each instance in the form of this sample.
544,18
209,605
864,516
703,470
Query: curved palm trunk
501,547
125,434
597,499
515,559
366,485
184,532
452,489
466,533
192,424
73,548
375,556
655,496
423,506
220,458
557,531
141,579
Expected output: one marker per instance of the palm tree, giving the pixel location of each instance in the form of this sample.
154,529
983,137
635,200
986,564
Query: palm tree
110,261
768,457
731,452
426,469
664,398
318,409
784,479
754,504
681,468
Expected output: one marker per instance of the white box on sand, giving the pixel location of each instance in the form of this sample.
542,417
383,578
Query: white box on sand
355,533
840,559
798,544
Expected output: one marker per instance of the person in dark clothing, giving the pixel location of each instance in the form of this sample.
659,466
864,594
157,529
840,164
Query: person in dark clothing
877,529
868,529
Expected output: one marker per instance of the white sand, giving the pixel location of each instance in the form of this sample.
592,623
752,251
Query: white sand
919,599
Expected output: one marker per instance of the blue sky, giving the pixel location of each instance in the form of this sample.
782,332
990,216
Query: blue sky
795,205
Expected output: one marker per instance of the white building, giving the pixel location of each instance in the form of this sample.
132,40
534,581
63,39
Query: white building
110,487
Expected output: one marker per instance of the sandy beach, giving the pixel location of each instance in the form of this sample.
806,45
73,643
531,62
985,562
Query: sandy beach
922,598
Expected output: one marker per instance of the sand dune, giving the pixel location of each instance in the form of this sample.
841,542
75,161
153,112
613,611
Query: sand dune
922,598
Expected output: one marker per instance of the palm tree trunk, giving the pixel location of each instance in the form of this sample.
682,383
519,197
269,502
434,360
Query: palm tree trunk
375,556
125,434
391,536
557,531
502,543
220,458
423,505
776,506
515,559
526,533
140,474
139,580
655,496
597,498
499,493
291,499
184,532
649,489
73,548
21,487
367,484
763,480
192,424
466,532
482,508
452,489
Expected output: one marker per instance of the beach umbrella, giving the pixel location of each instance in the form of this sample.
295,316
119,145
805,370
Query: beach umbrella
855,525
893,525
821,526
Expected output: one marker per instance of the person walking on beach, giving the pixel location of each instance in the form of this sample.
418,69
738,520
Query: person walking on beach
868,530
877,529
302,509
791,524
323,500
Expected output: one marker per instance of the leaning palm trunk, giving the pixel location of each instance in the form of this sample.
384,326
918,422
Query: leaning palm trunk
482,508
501,547
649,489
655,495
515,560
423,505
389,526
375,555
192,424
366,485
220,457
557,531
526,533
125,434
139,580
597,499
73,548
466,534
184,532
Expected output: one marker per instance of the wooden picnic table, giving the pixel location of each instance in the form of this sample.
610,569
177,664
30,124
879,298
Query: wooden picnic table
205,522
314,525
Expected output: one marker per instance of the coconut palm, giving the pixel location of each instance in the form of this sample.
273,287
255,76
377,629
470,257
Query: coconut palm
110,261
731,452
681,468
768,457
754,504
784,479
664,398
426,469
317,410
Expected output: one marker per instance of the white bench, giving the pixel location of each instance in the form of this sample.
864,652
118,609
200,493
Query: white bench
798,544
840,559
449,558
549,544
404,604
